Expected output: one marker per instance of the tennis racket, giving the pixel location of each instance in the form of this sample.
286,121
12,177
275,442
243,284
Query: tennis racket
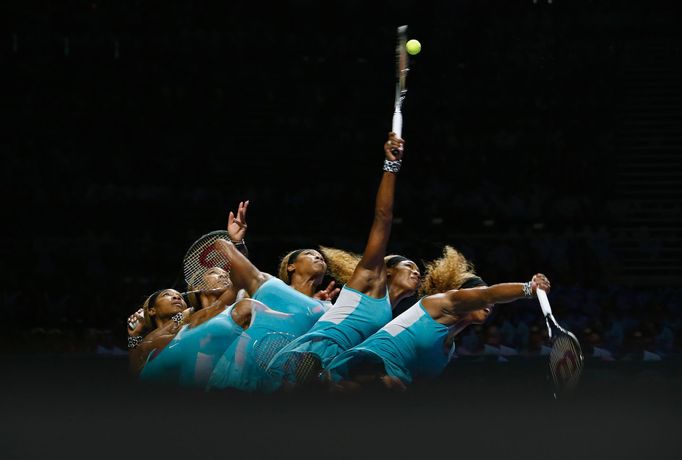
300,368
402,63
566,356
267,347
203,256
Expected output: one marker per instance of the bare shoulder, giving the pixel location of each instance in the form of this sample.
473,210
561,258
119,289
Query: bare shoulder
448,302
436,305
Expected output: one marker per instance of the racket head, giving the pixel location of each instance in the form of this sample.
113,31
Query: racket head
203,256
565,360
402,65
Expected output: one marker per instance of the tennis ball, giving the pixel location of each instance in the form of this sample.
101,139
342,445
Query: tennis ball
413,47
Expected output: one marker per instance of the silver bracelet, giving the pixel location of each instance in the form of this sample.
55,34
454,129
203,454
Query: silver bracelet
238,243
528,290
134,341
392,166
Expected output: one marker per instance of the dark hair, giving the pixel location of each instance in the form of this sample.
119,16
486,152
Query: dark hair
395,260
473,282
294,255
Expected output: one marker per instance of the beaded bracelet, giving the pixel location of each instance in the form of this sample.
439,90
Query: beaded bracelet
527,290
392,166
134,341
178,318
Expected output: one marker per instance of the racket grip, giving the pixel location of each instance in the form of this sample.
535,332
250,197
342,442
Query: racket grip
544,302
397,126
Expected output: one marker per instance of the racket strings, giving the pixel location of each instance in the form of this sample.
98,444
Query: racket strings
265,349
566,362
203,256
303,367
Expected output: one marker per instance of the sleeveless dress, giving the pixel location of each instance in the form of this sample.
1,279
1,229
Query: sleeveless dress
352,319
189,358
411,345
243,366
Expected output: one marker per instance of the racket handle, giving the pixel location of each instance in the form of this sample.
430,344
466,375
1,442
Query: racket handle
544,302
397,127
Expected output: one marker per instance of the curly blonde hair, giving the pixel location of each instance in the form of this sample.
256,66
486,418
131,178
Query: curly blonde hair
340,264
282,273
447,272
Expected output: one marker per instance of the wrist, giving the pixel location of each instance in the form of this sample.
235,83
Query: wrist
241,246
392,166
178,318
134,341
528,289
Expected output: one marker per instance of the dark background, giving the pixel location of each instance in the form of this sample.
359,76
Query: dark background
539,138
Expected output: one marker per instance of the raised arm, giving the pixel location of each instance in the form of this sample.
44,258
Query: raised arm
369,276
243,273
449,306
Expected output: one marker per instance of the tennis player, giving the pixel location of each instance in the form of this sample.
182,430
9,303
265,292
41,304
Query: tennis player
420,342
376,284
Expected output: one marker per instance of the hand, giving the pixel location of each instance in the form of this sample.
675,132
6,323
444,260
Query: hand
539,281
393,148
137,320
329,293
236,226
393,383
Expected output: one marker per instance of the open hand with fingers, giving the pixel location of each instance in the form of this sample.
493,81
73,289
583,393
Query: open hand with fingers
329,293
236,224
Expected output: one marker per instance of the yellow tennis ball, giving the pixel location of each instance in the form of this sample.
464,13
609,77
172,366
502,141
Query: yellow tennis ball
413,47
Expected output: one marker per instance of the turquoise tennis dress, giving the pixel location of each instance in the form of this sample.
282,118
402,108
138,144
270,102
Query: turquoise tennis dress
190,357
277,295
161,366
411,345
353,318
244,363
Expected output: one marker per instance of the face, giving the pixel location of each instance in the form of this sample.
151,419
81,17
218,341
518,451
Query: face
308,262
168,303
405,275
216,278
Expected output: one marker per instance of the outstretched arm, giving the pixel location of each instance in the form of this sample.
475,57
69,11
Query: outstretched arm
453,304
369,276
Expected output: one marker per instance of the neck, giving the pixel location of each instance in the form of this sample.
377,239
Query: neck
396,294
305,284
208,299
161,322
